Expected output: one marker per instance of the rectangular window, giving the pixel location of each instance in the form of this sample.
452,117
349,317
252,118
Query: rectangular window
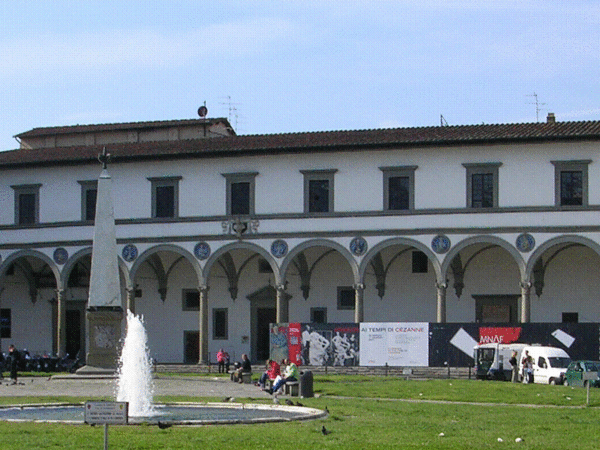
419,262
165,197
190,300
318,191
346,298
398,188
27,204
570,317
240,193
220,330
89,193
482,185
318,315
5,323
571,182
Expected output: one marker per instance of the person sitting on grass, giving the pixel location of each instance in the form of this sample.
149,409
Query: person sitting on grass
290,374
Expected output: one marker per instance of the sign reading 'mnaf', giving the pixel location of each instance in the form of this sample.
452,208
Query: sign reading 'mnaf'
108,413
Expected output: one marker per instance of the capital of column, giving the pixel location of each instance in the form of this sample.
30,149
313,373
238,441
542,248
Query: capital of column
359,286
204,288
526,285
59,292
443,285
280,287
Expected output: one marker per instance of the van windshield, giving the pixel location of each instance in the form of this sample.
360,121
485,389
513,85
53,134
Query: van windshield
559,362
485,354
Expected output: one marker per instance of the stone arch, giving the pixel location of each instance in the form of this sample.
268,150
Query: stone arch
484,239
565,239
241,246
401,241
34,254
321,243
143,257
68,267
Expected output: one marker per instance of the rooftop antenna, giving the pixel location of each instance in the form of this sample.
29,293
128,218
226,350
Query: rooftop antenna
232,110
443,122
537,106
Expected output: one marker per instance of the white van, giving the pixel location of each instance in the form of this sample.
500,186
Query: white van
492,360
549,364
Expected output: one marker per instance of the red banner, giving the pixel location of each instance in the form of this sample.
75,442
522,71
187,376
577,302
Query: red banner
499,335
295,343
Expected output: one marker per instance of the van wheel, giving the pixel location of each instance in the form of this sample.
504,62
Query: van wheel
553,381
565,382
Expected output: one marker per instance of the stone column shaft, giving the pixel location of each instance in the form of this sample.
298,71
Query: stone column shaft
359,308
283,315
441,289
525,301
61,323
131,300
203,326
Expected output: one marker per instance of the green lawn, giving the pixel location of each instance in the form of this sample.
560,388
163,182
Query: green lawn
365,413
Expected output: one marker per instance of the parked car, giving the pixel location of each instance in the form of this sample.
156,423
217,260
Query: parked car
575,371
549,364
492,360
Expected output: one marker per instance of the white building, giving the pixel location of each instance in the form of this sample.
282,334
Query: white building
220,235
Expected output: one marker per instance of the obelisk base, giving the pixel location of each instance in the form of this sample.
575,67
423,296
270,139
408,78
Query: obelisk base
104,336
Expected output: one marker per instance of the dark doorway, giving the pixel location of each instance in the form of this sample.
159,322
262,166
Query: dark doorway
191,345
265,316
73,332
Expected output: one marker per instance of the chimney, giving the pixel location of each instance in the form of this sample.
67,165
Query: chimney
551,118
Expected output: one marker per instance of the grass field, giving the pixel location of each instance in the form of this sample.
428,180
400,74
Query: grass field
365,413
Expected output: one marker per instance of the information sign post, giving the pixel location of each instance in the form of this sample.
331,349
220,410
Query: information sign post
589,376
106,413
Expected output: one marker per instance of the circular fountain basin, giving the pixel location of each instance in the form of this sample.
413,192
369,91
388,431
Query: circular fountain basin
175,414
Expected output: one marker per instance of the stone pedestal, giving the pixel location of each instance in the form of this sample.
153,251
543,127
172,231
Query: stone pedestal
104,335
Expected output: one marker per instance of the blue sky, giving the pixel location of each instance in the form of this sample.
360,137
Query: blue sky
288,66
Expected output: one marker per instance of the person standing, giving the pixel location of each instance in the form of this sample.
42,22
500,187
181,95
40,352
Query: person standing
223,361
15,358
514,362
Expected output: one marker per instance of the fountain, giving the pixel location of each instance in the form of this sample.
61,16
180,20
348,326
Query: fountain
134,374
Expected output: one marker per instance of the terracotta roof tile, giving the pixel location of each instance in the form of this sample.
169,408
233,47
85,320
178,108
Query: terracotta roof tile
311,142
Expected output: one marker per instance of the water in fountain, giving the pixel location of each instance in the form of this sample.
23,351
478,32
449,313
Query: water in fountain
134,383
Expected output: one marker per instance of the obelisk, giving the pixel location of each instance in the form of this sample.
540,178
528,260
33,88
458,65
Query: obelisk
105,309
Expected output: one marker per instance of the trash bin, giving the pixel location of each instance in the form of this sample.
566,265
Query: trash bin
306,384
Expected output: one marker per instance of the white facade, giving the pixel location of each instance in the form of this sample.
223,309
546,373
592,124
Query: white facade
524,258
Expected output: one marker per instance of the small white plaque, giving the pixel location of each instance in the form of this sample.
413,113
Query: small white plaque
111,413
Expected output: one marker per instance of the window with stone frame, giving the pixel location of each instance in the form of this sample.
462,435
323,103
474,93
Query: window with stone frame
27,198
398,188
165,197
346,298
89,193
318,191
482,185
240,193
571,183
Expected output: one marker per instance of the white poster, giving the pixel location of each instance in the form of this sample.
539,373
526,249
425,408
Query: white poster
404,344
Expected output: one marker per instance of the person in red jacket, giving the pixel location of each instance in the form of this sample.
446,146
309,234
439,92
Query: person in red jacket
273,369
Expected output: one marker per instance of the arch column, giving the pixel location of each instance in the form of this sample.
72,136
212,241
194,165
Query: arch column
282,303
441,289
203,325
525,301
131,300
359,306
61,323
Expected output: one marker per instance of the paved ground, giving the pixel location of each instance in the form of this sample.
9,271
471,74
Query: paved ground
85,386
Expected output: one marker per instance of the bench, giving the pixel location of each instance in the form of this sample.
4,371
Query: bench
247,377
292,388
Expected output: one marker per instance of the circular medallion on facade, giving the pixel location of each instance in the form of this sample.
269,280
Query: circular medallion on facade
61,256
441,243
358,246
279,248
202,250
130,252
525,242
